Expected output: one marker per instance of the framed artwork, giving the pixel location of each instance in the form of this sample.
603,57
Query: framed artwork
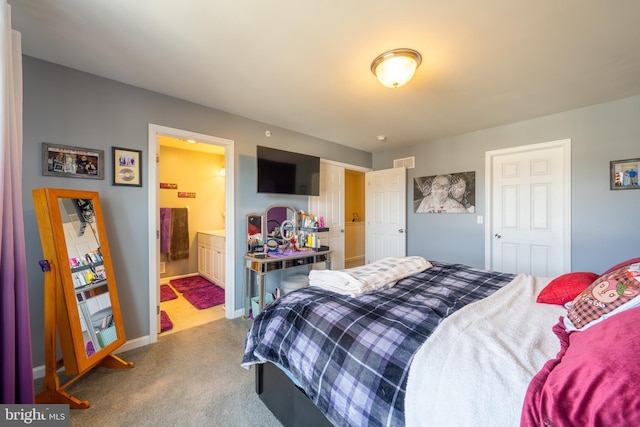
445,193
72,162
624,174
127,167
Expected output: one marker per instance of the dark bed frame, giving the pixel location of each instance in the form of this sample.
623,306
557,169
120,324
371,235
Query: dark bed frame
288,402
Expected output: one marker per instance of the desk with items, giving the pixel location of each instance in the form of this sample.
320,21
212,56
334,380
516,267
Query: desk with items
280,238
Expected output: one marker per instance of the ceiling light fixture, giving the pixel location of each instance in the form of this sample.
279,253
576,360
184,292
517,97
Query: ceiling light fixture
396,67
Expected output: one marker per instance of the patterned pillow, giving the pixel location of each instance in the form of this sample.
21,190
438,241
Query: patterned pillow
610,294
565,288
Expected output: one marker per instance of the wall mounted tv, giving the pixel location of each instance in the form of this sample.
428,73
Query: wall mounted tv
285,172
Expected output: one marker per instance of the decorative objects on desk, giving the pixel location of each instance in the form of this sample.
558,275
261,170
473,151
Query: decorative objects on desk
624,174
72,162
279,253
127,167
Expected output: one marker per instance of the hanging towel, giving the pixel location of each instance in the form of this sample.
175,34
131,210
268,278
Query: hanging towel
165,230
179,247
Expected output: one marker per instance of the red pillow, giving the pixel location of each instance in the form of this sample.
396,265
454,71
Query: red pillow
622,264
566,288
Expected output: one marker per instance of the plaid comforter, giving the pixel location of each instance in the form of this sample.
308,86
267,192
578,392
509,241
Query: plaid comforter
351,356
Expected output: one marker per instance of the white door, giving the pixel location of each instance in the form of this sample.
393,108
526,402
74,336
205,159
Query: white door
386,214
528,216
330,205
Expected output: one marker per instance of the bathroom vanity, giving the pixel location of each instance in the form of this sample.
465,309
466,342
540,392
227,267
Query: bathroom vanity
211,255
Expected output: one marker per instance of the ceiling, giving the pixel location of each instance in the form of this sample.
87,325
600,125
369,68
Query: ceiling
305,65
191,145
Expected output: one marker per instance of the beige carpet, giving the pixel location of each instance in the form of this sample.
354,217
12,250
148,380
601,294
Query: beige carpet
189,378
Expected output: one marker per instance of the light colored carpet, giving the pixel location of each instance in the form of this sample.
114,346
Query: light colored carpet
189,378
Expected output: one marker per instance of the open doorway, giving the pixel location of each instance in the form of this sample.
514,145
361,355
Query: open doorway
354,212
192,184
342,204
156,134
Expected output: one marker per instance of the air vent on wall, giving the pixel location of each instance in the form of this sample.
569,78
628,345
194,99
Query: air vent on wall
407,162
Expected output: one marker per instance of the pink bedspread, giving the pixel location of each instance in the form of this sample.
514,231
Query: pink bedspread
594,379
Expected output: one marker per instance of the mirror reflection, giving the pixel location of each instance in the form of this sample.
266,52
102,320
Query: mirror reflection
88,273
275,217
254,232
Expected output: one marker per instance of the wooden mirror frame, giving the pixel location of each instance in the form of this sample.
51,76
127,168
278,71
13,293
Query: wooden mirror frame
61,303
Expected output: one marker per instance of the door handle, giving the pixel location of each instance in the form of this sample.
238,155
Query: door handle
497,236
401,231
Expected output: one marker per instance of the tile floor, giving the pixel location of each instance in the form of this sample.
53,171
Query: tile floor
185,316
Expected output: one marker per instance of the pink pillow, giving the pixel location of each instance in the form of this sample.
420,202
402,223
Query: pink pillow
593,379
566,288
622,264
611,294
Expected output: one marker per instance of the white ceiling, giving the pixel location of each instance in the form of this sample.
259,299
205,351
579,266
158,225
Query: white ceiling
304,65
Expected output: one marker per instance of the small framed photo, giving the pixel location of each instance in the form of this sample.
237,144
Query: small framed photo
127,167
72,162
624,174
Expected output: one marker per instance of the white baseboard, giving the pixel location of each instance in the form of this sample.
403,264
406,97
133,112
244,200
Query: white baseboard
38,371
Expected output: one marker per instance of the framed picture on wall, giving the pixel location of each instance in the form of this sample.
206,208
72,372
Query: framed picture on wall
127,167
72,162
445,193
624,174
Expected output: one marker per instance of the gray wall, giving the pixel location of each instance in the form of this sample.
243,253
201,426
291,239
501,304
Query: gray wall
604,228
64,106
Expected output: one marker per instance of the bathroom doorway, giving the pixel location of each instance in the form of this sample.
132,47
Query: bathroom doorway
187,195
192,180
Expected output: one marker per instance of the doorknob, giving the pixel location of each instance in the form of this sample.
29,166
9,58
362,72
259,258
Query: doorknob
497,236
401,231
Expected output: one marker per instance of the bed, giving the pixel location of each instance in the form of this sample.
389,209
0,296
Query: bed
449,345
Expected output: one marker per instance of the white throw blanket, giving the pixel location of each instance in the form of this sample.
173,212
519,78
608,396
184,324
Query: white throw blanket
475,368
378,275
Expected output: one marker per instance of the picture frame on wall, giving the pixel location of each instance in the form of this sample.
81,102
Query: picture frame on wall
72,162
127,167
445,193
624,174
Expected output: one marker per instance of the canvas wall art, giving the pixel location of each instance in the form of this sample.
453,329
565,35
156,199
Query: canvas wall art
445,193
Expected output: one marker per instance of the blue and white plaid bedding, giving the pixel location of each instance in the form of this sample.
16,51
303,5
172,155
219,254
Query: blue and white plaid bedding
351,356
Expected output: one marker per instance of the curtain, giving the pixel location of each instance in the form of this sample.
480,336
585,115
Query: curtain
15,334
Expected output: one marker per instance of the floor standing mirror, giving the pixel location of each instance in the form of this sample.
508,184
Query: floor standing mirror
80,296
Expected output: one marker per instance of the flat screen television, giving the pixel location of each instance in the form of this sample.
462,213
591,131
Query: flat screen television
286,172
